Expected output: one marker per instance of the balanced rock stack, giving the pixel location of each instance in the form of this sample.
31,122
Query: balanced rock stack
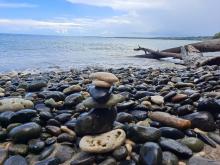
96,125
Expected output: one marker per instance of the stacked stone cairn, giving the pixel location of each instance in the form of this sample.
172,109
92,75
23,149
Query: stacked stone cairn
96,125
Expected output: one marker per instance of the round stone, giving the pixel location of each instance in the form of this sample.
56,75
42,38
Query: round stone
159,100
195,144
104,76
101,84
17,158
103,143
100,94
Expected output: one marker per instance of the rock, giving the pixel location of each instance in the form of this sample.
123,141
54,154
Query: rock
65,137
36,85
104,76
120,153
18,159
56,95
101,84
168,96
124,117
128,162
125,105
109,161
139,114
14,104
46,152
96,121
169,120
5,118
175,147
173,133
103,143
73,99
210,105
82,158
18,149
150,154
182,85
184,110
3,155
169,158
113,100
49,161
36,145
195,144
179,98
53,130
23,116
202,120
157,100
52,103
214,136
142,134
72,89
202,161
100,94
63,117
64,153
25,132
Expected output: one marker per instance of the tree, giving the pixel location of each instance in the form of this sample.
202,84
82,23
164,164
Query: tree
217,35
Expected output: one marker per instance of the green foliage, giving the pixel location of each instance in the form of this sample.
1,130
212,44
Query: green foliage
217,35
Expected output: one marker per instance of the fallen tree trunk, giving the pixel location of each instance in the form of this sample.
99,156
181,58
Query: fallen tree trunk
204,46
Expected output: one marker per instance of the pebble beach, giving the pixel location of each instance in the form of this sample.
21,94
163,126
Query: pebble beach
123,116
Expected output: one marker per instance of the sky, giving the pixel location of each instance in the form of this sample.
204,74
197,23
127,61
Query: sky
114,18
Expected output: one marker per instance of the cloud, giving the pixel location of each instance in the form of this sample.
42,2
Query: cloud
123,4
16,5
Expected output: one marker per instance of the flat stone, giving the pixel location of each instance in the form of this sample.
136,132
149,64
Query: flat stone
104,76
23,116
100,94
82,158
202,161
36,85
179,98
169,158
64,153
101,84
73,99
17,158
14,104
56,95
159,100
103,143
195,144
72,89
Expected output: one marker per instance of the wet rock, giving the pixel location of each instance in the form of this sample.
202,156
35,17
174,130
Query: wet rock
36,85
168,96
101,84
173,133
202,161
17,158
49,161
96,121
202,120
179,98
214,136
56,95
184,110
103,143
25,132
73,99
72,89
5,118
63,117
169,158
120,153
175,147
100,94
46,152
142,134
104,76
14,104
64,153
139,115
3,155
128,162
18,149
194,144
150,154
159,100
109,161
210,105
141,94
23,116
36,145
53,130
124,117
82,158
125,105
65,137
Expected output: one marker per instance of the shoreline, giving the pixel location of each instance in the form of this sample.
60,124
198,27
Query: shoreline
179,92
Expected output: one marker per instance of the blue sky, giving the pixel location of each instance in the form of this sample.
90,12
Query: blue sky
147,18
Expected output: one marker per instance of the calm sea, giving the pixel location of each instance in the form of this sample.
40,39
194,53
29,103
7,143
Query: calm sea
32,52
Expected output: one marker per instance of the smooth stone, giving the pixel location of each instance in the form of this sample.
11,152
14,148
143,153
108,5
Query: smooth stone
197,160
125,105
23,116
100,94
46,152
159,100
36,145
169,159
142,134
53,130
25,132
104,76
49,161
101,84
124,117
5,118
103,143
63,117
95,121
120,153
175,147
3,134
14,104
73,99
17,158
173,133
36,85
139,114
82,158
64,153
211,105
179,98
195,144
65,137
141,94
3,155
109,161
150,154
113,101
184,110
18,149
202,120
45,115
169,95
53,104
56,95
214,136
72,89
182,85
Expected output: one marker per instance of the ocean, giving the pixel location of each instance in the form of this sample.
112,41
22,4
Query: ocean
43,53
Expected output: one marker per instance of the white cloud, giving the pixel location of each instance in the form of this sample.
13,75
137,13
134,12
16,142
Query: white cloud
16,5
123,4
